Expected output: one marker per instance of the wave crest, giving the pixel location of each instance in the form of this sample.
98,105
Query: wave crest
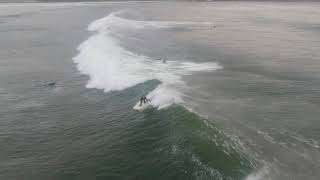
111,67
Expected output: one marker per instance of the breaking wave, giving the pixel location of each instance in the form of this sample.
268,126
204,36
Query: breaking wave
111,67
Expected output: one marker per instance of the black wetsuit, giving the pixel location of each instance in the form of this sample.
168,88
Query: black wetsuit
143,99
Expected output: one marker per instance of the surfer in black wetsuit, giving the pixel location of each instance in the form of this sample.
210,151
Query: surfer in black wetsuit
143,99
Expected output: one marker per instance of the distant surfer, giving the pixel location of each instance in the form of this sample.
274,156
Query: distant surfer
213,27
164,60
52,84
143,100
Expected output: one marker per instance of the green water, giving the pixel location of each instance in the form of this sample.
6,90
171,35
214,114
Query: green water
88,134
173,143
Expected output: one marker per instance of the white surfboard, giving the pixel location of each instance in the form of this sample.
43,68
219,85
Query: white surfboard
144,106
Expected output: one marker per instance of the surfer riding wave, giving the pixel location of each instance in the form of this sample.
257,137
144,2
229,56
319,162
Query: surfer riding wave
144,100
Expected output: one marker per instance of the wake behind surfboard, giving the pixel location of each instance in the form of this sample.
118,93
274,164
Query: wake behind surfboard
143,106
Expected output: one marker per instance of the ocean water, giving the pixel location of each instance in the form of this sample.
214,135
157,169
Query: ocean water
238,96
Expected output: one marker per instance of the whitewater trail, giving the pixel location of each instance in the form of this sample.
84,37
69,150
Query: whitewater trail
111,67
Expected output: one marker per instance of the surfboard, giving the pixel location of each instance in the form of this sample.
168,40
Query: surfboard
144,106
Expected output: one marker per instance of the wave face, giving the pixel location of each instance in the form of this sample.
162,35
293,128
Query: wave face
111,67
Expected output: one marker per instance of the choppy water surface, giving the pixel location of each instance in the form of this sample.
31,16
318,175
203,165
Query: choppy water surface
238,97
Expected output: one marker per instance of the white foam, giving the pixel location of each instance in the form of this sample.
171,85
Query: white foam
114,21
261,174
111,67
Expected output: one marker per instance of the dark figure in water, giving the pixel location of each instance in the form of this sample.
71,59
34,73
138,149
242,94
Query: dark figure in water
213,27
51,84
143,99
164,60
